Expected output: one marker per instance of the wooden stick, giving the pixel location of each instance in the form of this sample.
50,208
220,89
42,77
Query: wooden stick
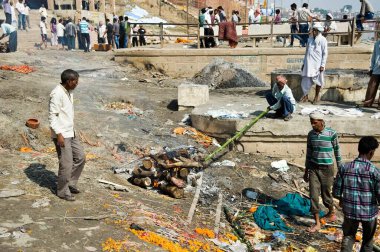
273,177
116,186
195,200
301,167
101,217
24,138
218,213
85,140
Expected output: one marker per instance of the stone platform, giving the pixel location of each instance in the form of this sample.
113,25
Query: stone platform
275,137
185,63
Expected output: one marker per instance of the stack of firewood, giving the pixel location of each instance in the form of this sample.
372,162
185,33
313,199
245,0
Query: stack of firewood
167,172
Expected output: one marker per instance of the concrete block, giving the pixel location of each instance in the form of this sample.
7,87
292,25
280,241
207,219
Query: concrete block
353,95
346,81
192,95
331,80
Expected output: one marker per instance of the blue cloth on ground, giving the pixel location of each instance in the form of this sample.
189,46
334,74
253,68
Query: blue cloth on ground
294,204
267,218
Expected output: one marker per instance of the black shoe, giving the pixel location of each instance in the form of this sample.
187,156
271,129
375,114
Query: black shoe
74,190
68,198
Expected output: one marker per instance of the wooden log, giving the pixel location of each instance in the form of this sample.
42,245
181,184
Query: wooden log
301,167
178,182
195,200
143,182
148,163
173,191
138,172
190,164
113,186
218,213
183,173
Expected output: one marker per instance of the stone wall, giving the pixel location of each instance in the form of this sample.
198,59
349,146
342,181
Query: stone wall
340,85
259,61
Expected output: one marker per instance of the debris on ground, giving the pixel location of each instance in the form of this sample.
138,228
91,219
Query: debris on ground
7,193
183,41
198,136
281,165
222,74
25,69
124,108
226,114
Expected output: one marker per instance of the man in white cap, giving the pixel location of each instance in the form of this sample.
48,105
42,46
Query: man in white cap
330,25
314,63
322,145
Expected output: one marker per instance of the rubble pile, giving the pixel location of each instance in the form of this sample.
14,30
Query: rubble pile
222,74
170,171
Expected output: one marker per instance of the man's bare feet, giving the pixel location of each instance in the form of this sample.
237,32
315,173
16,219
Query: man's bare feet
314,228
330,217
304,98
316,100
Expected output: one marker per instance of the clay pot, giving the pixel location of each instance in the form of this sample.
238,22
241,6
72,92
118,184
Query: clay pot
32,123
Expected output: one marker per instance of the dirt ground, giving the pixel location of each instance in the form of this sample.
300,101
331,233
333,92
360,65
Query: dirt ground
39,221
100,218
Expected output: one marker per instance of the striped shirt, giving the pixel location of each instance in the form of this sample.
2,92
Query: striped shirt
321,147
357,186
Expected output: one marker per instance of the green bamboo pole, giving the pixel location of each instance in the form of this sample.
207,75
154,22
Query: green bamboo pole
237,135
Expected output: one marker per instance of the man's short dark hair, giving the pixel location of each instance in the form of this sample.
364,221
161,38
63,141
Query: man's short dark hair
293,5
278,11
1,21
83,18
107,20
305,5
68,75
367,144
126,18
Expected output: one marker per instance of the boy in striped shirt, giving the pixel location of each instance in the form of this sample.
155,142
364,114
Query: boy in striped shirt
357,186
322,145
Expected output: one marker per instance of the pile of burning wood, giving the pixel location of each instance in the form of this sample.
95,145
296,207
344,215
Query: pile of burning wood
169,172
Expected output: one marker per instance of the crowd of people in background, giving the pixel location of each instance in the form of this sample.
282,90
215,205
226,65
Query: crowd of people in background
65,33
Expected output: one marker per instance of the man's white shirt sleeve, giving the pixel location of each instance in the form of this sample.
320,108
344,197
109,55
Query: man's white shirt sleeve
61,113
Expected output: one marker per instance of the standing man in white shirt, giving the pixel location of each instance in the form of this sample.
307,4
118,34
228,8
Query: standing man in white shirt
314,63
43,29
61,33
70,152
304,17
27,9
43,11
21,15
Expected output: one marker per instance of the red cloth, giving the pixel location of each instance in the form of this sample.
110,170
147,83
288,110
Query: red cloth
227,31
